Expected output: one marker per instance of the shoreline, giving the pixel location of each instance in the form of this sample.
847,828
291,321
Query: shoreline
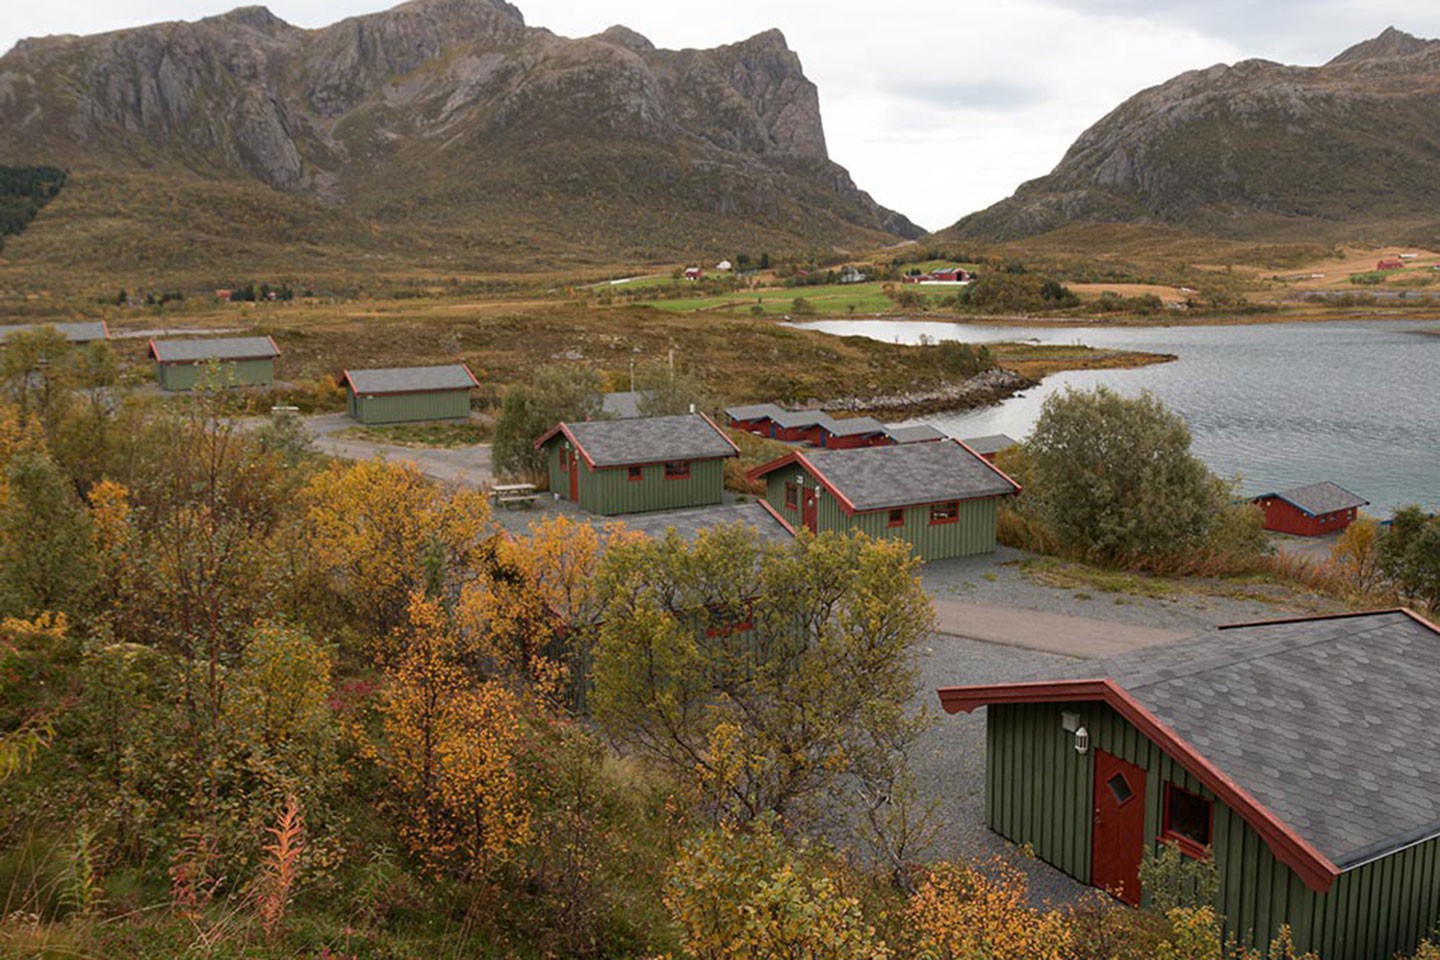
1023,320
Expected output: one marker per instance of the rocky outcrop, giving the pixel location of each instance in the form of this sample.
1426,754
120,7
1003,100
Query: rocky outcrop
457,99
1253,150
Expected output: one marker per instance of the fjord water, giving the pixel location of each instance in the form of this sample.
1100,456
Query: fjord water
1279,404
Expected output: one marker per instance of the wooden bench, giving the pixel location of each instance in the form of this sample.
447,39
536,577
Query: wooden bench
526,500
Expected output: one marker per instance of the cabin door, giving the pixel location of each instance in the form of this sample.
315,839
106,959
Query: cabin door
807,509
1118,836
574,477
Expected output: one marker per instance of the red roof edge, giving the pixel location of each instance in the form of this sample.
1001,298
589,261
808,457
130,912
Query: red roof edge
105,329
1003,475
1344,615
150,350
776,514
273,346
805,464
345,379
473,379
723,435
562,428
1309,864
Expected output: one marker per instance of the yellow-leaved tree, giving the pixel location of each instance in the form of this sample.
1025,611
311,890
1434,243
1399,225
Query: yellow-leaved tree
451,750
961,912
380,531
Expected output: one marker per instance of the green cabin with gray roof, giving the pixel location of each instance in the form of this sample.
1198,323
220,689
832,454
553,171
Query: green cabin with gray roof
237,362
409,394
640,464
1301,756
940,496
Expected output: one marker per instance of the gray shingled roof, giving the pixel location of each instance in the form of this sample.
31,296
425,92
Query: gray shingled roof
801,418
613,443
74,332
752,411
853,426
220,348
452,376
624,404
1321,498
688,523
990,443
1330,724
919,433
874,478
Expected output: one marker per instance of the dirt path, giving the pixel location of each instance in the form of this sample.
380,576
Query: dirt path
466,466
1067,635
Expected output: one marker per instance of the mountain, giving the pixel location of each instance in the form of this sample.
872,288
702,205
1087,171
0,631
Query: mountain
448,122
1257,150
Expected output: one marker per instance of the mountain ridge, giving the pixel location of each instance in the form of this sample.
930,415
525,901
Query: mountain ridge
1254,150
448,116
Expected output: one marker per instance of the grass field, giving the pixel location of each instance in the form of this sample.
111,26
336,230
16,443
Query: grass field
829,299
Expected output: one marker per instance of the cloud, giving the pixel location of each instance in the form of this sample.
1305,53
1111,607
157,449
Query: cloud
980,94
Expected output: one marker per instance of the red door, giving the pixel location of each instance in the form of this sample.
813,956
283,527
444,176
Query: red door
807,509
574,477
1118,837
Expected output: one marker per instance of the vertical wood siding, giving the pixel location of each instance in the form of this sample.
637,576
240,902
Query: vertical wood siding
241,373
411,407
973,533
609,490
1039,791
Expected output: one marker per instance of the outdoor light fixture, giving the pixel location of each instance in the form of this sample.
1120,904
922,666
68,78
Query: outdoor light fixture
1082,741
799,478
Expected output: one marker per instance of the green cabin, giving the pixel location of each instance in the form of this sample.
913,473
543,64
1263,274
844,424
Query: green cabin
80,332
409,394
940,496
1302,755
636,465
238,361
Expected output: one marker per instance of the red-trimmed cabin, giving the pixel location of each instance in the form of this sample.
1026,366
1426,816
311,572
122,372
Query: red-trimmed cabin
852,432
1390,265
1310,511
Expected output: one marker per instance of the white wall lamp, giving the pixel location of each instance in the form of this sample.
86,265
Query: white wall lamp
1070,721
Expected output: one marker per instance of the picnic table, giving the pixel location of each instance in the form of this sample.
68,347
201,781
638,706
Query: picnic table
515,494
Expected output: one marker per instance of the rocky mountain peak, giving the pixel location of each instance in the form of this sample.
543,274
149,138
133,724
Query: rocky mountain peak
255,17
622,36
1390,42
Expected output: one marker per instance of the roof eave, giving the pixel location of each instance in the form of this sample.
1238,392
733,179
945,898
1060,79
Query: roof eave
1314,868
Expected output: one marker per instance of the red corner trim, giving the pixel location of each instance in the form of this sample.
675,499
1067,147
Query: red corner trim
755,473
345,379
150,350
105,329
723,435
1003,475
810,468
562,428
776,514
1313,867
273,346
473,379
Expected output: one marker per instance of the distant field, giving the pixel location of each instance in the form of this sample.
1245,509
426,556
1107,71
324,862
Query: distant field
837,298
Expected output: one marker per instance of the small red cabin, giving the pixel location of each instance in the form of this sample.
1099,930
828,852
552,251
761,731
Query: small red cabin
693,273
1311,511
1389,265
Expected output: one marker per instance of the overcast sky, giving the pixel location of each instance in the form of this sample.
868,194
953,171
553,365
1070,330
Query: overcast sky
937,107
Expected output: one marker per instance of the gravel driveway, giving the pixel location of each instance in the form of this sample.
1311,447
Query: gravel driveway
467,466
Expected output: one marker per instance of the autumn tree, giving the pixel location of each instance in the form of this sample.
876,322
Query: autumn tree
1114,477
1357,554
961,912
1409,555
532,611
47,557
747,894
719,658
665,391
450,750
379,532
555,393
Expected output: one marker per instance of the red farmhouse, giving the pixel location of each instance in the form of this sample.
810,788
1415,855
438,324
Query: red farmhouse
1311,511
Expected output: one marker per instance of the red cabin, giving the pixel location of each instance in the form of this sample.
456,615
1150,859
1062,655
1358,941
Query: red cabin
1311,511
1389,265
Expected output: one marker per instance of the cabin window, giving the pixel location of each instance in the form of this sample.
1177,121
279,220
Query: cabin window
677,470
1120,789
792,496
947,512
897,517
634,474
1187,820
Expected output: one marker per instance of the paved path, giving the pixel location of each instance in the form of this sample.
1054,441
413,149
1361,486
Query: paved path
467,466
1047,632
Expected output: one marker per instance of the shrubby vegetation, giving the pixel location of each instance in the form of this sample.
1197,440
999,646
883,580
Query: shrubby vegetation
554,394
257,704
23,191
